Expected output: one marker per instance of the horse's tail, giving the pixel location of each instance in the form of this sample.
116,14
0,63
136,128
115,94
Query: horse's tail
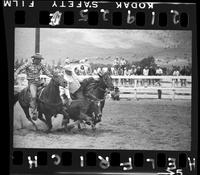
16,97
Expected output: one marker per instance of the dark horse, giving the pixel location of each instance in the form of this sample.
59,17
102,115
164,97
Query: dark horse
90,99
98,88
49,102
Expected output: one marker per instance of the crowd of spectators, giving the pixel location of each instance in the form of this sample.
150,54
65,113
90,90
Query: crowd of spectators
122,67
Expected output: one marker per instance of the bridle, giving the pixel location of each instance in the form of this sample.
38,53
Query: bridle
104,90
58,81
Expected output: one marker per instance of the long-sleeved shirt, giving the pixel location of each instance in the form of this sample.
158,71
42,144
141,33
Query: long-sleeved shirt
33,71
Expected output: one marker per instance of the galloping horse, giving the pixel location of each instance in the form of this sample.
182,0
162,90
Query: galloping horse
90,99
49,102
98,88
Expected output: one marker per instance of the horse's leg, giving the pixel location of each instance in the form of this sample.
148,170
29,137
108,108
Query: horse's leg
41,118
48,122
26,111
65,121
72,125
79,125
87,119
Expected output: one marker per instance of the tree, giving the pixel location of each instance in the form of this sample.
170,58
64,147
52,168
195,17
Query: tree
149,61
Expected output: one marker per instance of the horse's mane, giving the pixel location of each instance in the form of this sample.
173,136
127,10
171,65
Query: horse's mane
46,93
88,83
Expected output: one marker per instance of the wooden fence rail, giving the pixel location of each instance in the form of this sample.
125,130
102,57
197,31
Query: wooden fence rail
171,87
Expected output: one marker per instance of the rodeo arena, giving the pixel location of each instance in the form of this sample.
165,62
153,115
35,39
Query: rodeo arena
143,107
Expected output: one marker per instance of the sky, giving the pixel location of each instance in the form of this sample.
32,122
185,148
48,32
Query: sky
59,43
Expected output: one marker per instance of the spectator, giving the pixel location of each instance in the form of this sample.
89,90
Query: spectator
116,63
122,64
145,73
120,71
115,71
127,72
82,70
159,72
99,70
112,70
139,72
104,69
152,72
176,73
183,72
133,70
188,71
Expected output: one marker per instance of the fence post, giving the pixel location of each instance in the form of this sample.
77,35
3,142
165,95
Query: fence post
173,89
159,93
119,82
135,88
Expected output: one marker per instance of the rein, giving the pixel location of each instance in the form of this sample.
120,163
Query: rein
96,99
101,89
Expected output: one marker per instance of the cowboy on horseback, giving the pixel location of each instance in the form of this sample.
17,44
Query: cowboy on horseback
73,83
33,71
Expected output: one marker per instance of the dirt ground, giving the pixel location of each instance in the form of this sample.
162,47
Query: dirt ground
144,124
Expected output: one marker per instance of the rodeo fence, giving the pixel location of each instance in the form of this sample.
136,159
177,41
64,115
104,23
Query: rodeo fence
136,87
166,87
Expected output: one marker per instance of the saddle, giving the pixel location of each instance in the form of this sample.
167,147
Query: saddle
39,89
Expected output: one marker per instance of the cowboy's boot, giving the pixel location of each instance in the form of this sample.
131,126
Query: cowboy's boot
34,111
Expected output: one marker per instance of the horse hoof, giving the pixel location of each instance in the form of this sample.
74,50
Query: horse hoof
69,128
93,128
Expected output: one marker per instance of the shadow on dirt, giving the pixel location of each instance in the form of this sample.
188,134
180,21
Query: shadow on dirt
62,131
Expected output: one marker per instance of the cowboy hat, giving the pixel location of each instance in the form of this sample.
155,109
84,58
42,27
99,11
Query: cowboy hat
37,56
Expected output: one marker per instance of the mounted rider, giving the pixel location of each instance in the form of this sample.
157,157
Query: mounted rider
33,70
73,82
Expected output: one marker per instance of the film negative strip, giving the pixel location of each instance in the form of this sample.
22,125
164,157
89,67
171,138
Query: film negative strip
101,87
